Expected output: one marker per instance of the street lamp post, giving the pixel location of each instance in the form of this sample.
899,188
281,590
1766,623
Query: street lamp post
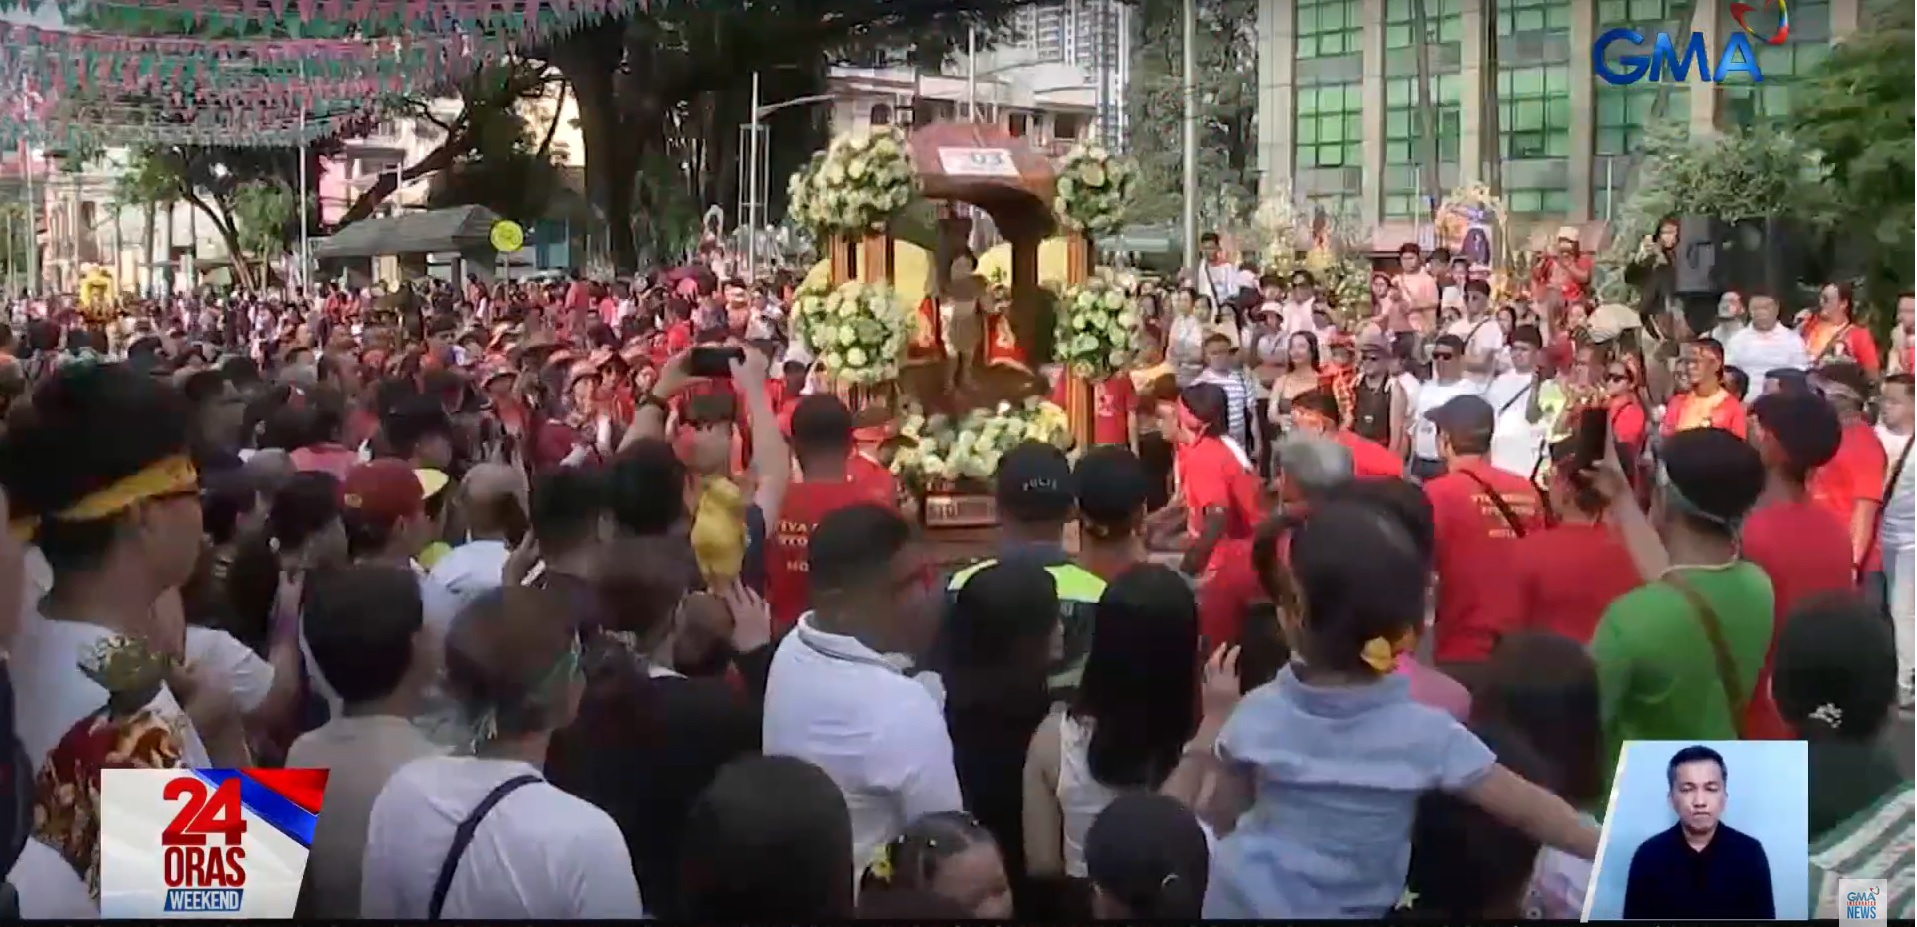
756,183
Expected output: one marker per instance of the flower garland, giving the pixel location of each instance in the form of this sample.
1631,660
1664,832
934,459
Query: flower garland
1094,188
944,448
857,331
1096,329
864,179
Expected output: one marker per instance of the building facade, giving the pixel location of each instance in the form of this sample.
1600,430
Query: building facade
1091,36
1339,115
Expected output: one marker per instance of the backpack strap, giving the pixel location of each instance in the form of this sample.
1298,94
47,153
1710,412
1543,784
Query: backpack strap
1720,651
463,837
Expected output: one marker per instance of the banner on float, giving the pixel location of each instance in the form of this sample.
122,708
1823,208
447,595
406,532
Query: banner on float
205,843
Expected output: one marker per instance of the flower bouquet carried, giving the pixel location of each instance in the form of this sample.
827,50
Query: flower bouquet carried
1094,188
948,449
857,331
1097,329
860,183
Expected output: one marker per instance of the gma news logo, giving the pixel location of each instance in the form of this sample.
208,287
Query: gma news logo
206,842
1735,55
1860,899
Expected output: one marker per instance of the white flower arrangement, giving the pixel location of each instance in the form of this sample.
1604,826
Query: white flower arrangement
856,331
1094,188
800,203
862,180
943,448
1096,328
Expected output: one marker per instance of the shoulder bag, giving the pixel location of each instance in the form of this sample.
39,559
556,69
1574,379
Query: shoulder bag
1497,499
463,837
1720,651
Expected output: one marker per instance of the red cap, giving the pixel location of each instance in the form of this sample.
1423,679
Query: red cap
384,491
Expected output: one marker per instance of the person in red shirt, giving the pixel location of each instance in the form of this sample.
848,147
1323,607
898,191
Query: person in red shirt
1563,576
1315,412
1312,467
1625,411
1219,491
1477,511
1851,485
1566,269
1708,403
822,443
1799,544
1113,402
1833,335
678,327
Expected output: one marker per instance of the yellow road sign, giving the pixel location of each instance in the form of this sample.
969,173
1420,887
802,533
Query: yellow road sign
508,236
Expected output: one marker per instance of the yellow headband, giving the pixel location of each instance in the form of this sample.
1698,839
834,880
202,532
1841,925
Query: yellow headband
167,477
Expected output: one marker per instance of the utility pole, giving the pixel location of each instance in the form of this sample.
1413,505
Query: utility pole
1493,134
1191,135
752,184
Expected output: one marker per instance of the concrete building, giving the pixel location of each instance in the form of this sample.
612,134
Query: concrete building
1052,115
1337,98
1093,36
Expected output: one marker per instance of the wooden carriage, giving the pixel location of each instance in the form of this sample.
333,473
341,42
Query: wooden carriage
1004,176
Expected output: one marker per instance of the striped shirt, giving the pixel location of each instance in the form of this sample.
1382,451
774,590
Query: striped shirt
1238,394
1876,844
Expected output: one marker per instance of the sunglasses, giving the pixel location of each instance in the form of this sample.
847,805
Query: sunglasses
1617,378
1443,355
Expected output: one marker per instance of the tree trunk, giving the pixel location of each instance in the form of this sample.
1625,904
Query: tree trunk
1428,172
242,268
146,248
552,128
385,185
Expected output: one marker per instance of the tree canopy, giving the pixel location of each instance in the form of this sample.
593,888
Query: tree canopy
1227,106
1856,109
663,92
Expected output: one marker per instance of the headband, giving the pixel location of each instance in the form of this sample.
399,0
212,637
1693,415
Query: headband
170,476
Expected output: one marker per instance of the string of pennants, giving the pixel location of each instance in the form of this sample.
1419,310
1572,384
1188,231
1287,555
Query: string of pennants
107,88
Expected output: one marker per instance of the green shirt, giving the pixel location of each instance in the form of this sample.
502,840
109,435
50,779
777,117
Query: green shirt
1657,673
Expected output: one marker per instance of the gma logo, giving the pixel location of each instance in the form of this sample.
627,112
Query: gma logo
1734,57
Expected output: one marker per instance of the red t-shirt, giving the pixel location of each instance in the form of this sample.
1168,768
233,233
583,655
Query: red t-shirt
872,475
1855,475
1806,551
788,591
678,337
1565,576
1628,425
1726,411
1473,554
1112,405
1228,588
1211,475
1369,459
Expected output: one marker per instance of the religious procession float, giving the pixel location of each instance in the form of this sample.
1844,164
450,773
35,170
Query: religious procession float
941,353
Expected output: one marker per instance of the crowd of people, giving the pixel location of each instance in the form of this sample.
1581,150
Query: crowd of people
598,602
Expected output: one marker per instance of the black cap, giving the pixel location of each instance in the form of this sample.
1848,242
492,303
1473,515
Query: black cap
1464,415
1035,484
1149,852
1804,426
1112,485
1789,379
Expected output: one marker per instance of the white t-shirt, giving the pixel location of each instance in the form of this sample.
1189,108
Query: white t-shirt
49,889
539,854
1434,393
1480,338
1900,514
471,568
1758,353
65,722
249,675
879,734
1517,443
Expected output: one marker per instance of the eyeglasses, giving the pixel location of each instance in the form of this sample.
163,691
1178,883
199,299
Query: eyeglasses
1443,355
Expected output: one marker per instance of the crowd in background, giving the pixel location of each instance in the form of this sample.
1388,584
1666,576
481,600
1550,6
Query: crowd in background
597,601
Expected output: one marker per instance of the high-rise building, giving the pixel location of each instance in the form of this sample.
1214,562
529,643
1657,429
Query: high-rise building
1339,114
1091,36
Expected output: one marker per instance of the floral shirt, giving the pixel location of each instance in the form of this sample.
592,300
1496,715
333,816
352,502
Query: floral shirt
72,728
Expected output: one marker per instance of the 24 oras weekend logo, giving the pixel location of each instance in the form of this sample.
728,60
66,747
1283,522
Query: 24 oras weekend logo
201,843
